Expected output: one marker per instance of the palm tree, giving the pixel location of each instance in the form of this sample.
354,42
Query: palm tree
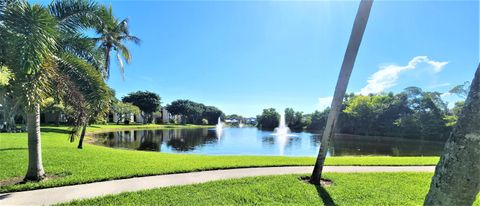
457,175
31,39
37,47
113,35
341,87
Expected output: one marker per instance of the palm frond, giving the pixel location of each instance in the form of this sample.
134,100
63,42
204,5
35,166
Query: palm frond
134,39
120,63
74,14
122,27
125,52
83,47
32,41
89,84
33,33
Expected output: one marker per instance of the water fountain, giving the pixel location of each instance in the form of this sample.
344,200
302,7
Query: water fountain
282,129
219,128
240,124
282,133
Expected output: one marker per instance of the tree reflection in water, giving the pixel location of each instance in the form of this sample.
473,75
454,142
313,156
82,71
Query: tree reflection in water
151,140
251,141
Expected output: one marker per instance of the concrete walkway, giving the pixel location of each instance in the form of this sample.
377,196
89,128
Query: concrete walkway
68,193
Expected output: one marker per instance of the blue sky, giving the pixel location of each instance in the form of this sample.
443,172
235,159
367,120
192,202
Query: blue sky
243,56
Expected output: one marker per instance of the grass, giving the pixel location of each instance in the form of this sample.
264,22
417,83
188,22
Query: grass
348,189
94,163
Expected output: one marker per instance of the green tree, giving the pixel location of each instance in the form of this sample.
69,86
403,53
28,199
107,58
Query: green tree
148,102
193,112
366,112
33,49
268,120
461,90
211,114
31,37
81,62
113,34
318,120
294,120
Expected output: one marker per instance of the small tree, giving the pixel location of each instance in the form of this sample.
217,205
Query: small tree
318,120
148,102
269,119
295,120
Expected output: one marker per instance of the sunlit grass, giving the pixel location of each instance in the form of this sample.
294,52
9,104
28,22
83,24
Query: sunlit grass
348,189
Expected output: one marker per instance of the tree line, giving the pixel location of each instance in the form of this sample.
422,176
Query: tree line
191,112
412,113
148,103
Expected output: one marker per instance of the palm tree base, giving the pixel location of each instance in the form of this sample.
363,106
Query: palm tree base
35,177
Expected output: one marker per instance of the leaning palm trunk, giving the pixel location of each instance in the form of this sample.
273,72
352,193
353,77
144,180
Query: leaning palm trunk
82,136
457,175
347,66
35,170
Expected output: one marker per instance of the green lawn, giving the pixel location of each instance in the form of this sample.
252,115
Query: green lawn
348,189
96,163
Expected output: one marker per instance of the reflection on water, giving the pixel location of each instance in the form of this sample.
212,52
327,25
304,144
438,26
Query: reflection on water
251,141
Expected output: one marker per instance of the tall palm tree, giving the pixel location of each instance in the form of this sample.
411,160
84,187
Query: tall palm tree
347,66
113,35
30,37
37,47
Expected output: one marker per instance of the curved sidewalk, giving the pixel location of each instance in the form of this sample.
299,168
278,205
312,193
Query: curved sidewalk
68,193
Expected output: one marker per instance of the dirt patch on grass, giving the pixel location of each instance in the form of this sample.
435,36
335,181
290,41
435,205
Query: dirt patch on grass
20,180
323,182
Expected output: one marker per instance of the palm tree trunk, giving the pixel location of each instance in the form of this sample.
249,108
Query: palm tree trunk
35,170
82,136
347,66
457,175
107,61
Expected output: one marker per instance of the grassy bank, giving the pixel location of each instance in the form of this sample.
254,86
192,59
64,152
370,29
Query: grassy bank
68,165
348,189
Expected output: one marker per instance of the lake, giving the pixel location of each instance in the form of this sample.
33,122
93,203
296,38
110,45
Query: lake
252,141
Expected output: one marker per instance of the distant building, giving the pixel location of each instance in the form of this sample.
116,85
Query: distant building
231,121
251,120
164,116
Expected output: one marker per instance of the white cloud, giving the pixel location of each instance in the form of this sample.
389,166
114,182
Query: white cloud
388,75
437,66
324,102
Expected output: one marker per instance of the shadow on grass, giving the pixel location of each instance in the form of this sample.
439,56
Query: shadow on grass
322,193
13,148
63,131
326,198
